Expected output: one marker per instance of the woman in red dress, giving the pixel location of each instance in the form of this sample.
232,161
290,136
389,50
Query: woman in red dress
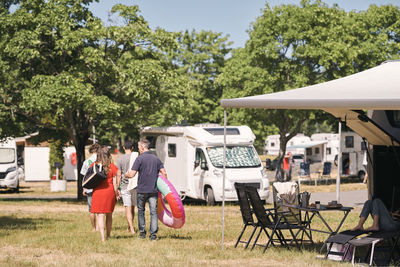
105,194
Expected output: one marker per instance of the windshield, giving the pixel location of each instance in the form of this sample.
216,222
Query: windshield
236,156
7,155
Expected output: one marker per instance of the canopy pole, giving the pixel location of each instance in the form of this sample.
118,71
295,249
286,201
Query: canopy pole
223,183
339,163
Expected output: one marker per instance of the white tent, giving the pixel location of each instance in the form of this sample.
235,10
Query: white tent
377,88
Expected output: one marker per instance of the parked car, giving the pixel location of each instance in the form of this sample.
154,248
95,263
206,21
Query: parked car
297,159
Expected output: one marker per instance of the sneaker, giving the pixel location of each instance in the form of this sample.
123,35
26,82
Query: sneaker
153,238
142,235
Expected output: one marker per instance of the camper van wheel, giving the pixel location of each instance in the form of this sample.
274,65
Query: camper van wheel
209,197
361,175
16,190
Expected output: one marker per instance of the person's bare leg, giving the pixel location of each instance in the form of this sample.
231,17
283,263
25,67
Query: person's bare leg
100,222
365,178
129,218
108,224
96,222
360,225
375,224
93,222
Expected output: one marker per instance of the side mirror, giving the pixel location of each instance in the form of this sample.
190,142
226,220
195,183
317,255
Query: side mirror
20,161
204,165
196,163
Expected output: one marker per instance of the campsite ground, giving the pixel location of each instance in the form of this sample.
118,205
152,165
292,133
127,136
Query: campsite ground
56,232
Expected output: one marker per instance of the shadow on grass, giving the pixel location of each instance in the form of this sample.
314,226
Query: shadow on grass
14,223
174,236
307,246
38,199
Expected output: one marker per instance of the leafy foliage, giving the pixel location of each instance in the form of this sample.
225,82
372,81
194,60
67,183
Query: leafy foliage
294,46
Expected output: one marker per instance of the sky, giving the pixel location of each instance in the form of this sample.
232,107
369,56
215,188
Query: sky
230,17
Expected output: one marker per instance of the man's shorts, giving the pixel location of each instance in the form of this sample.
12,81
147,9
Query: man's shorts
89,199
129,197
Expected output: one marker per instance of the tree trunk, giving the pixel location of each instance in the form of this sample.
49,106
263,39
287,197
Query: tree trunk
80,154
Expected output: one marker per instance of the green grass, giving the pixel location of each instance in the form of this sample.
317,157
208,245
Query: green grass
58,233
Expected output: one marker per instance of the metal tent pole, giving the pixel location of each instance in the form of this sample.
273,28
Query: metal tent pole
339,164
223,184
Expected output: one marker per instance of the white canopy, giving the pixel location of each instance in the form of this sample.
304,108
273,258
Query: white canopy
377,88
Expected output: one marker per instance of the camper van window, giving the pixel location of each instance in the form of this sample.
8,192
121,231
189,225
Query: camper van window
363,146
328,151
172,150
349,141
7,155
200,159
236,157
308,151
220,131
272,144
317,150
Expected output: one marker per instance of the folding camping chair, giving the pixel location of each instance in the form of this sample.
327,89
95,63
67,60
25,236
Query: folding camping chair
325,172
270,220
304,170
247,214
288,193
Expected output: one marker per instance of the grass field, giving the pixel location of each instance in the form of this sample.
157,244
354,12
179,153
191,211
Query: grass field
58,233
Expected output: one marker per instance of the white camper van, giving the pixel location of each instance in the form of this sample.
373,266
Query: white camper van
353,153
9,165
193,158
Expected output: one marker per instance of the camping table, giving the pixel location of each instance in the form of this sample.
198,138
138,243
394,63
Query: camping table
311,213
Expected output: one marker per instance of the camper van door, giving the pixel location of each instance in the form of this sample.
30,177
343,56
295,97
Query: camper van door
200,172
172,152
353,163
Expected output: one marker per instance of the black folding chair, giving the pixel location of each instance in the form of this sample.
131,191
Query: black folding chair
247,215
270,219
293,216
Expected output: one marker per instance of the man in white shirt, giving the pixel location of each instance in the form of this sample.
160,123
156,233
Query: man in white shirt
88,192
128,196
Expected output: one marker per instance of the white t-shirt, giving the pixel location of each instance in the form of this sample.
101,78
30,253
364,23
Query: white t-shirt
365,162
85,166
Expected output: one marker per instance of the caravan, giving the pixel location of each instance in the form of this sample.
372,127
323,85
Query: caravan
9,177
353,153
193,158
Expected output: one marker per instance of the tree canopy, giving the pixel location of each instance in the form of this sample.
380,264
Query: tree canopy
62,71
292,46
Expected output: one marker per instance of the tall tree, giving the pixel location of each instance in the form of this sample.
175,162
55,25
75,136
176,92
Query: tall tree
62,70
200,56
293,46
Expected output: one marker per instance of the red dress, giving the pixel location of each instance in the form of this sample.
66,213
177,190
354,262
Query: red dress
103,198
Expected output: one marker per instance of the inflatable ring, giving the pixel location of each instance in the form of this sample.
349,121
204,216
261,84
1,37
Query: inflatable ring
176,217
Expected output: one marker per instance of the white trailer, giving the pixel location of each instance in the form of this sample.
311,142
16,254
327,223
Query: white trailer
9,177
193,159
353,153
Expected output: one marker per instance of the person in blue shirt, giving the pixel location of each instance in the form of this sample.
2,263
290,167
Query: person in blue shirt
149,167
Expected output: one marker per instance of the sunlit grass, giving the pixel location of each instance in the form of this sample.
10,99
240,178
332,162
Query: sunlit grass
56,233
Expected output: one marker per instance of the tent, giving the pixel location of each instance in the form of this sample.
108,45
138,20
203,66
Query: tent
377,88
346,98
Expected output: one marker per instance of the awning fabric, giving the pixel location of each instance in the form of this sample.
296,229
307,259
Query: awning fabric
308,145
377,88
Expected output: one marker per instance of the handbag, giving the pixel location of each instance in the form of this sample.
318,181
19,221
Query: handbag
94,176
132,181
